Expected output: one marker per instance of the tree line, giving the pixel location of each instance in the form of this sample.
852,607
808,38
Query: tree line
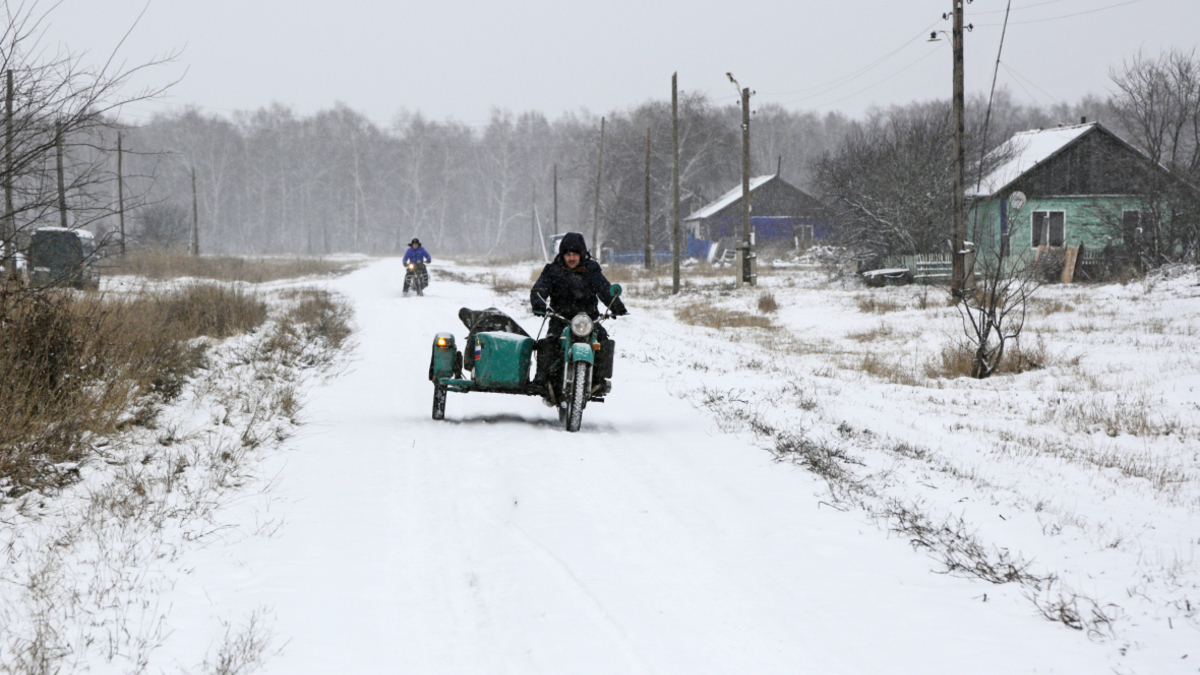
271,181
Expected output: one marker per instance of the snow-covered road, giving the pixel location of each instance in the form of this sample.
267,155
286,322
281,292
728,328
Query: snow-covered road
650,542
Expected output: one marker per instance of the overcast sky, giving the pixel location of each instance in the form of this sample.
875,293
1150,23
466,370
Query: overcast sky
460,58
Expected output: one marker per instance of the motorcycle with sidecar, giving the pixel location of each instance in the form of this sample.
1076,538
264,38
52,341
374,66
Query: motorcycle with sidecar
498,355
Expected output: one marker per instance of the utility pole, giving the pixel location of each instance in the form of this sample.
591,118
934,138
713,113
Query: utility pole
120,194
675,236
62,189
8,235
957,236
748,269
649,260
596,211
533,224
195,216
556,198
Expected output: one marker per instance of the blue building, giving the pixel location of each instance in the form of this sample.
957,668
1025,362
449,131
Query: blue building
779,213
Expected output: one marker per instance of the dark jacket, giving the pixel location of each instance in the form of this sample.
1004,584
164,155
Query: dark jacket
571,291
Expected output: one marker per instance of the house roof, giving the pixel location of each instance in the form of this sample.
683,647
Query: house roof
728,198
1028,149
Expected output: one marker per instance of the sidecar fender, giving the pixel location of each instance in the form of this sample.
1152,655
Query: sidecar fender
441,364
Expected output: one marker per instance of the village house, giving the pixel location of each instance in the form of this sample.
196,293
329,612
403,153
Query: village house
779,213
1075,187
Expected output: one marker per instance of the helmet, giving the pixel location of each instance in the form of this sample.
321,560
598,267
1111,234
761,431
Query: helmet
415,241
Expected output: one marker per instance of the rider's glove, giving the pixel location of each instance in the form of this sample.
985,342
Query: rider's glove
618,308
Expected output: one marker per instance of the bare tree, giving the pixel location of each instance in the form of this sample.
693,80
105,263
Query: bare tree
1158,108
993,313
57,102
889,182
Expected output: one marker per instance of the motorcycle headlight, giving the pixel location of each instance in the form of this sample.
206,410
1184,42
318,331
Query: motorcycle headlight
581,325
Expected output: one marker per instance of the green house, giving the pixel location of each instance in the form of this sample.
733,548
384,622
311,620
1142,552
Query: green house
1070,186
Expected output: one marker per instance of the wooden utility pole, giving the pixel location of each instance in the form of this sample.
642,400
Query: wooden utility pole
120,194
8,235
596,211
747,236
556,200
747,269
675,237
195,216
62,187
957,235
533,228
649,261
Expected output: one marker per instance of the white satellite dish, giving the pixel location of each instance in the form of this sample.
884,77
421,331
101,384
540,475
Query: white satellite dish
1016,200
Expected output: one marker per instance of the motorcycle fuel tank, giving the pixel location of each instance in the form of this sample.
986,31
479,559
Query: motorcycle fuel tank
502,360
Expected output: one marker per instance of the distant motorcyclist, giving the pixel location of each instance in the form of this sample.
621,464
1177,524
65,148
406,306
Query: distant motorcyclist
571,283
414,261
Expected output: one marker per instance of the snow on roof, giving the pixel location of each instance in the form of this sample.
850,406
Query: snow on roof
1028,149
727,199
82,234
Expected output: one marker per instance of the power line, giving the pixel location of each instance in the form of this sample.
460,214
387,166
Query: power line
1002,11
1067,16
1009,70
869,87
827,86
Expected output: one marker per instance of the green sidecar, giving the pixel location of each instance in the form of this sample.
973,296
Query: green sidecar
498,355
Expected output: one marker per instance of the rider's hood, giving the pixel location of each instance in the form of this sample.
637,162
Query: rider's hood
573,241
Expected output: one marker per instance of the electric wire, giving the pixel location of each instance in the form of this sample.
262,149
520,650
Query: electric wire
857,73
1068,16
987,118
1009,69
867,88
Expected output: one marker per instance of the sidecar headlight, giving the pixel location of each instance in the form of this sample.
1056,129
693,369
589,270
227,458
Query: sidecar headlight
581,325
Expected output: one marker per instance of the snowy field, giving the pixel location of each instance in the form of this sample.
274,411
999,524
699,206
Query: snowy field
808,496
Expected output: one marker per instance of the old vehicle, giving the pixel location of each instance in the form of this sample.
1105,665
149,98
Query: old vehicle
498,355
416,278
58,255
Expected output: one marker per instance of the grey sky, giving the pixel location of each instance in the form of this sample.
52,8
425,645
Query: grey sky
459,58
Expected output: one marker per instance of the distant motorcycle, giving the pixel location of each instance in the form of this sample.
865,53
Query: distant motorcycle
416,278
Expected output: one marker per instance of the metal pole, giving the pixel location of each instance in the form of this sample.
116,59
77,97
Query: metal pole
675,235
649,258
10,218
120,194
196,217
62,189
958,275
747,241
596,211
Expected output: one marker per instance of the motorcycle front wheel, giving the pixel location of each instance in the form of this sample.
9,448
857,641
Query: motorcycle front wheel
579,395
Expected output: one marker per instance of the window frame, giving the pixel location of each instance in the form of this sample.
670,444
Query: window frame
1035,228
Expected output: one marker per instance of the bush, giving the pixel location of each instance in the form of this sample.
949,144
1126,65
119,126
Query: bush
75,365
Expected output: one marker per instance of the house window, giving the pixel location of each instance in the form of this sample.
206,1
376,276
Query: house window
1131,225
1048,229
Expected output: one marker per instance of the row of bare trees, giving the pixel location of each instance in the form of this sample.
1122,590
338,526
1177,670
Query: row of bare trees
275,182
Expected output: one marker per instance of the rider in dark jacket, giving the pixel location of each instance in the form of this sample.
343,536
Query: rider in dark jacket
571,283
